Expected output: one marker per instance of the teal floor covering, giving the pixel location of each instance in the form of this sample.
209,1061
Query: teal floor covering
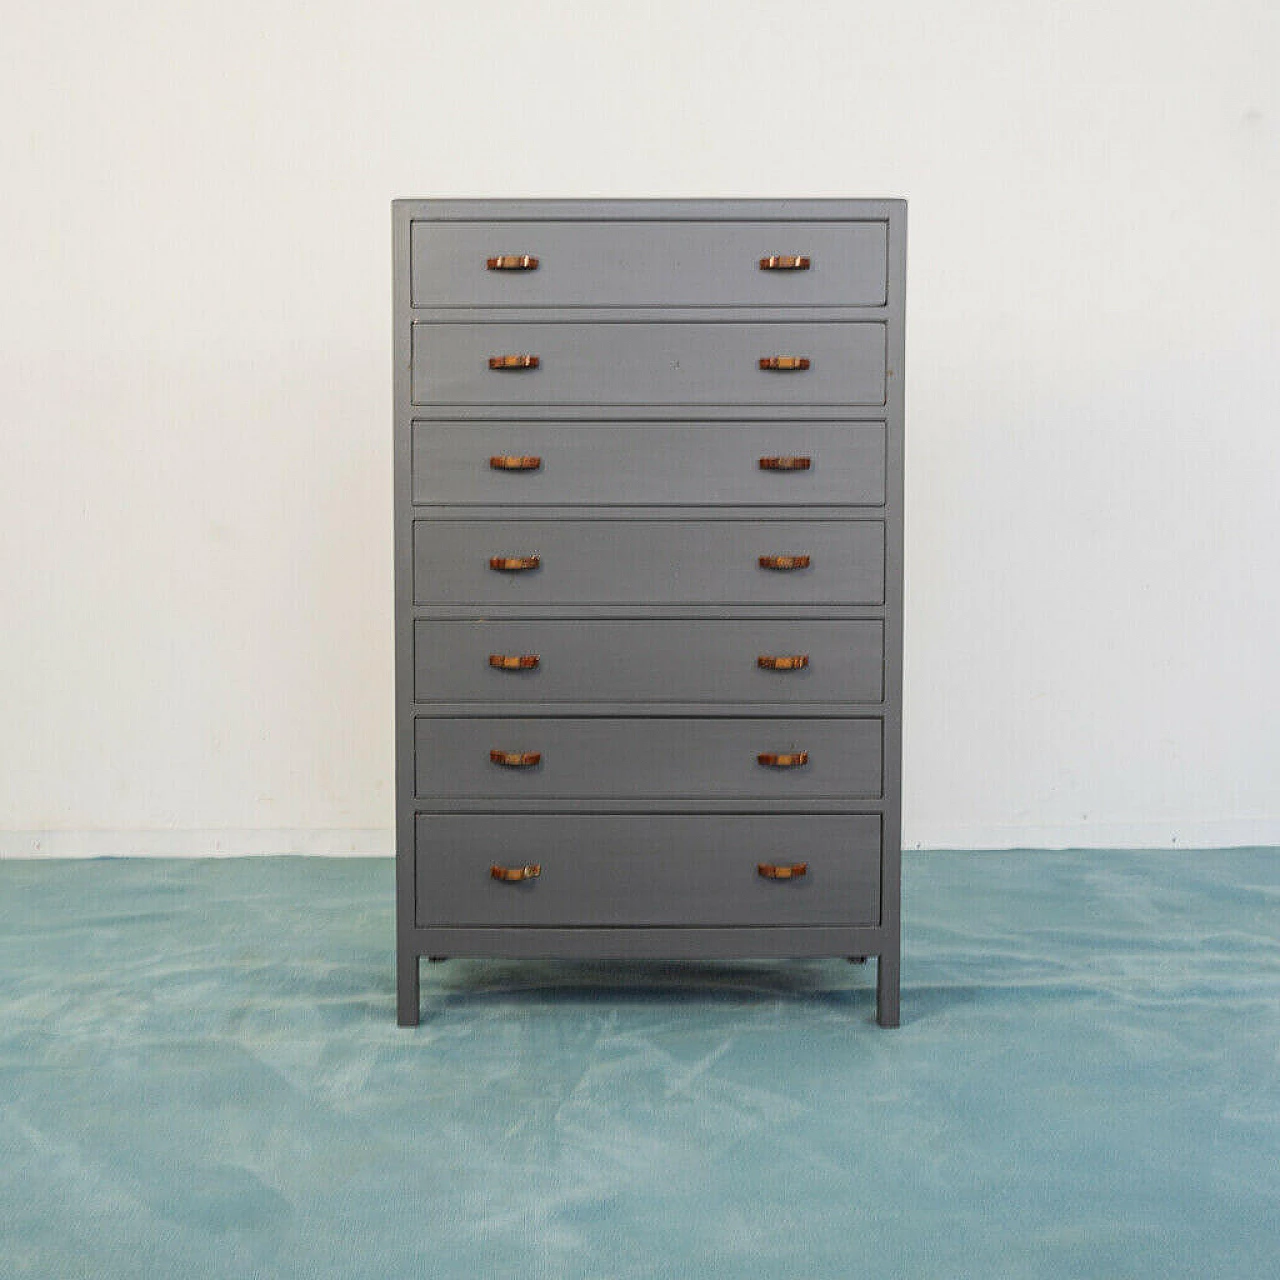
200,1076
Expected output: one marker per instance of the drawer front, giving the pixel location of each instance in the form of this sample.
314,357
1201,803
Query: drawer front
653,869
609,464
641,263
667,660
653,758
640,363
709,562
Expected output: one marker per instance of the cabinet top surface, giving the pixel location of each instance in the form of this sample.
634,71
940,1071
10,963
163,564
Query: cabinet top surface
651,208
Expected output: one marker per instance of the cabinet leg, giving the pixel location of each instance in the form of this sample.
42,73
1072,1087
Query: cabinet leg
407,995
887,989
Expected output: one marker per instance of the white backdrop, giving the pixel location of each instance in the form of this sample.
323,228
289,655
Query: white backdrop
195,380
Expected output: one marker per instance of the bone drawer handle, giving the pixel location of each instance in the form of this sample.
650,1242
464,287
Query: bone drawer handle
512,262
513,875
783,662
771,871
784,262
785,464
786,364
514,564
514,462
782,759
514,362
514,661
515,759
784,562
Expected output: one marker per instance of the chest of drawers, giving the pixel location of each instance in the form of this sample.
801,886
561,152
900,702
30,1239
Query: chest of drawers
648,541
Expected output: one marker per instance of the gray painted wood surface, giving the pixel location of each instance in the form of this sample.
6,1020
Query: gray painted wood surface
614,464
647,759
671,351
649,363
639,263
670,660
643,561
665,869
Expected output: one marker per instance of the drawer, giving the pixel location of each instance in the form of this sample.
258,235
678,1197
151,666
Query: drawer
641,363
708,562
650,869
638,263
652,758
555,660
569,464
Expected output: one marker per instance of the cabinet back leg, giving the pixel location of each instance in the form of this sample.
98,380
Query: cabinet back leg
407,995
887,984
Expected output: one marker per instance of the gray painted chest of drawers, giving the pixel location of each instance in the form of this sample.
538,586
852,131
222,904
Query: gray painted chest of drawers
648,531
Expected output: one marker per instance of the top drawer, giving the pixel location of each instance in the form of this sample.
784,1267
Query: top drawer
648,264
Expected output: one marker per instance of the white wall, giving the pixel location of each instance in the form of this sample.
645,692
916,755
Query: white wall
194,372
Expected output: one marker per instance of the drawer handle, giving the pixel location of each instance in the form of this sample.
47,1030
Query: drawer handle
515,759
786,364
784,562
514,462
782,759
512,262
513,875
783,662
514,661
772,871
785,464
514,564
784,262
514,362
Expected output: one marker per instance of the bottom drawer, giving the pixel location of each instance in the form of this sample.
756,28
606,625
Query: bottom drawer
651,869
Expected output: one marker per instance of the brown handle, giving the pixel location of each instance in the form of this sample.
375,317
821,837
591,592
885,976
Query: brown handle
515,759
514,661
772,871
784,262
782,759
530,871
514,462
514,362
784,562
514,564
783,662
785,464
790,364
512,262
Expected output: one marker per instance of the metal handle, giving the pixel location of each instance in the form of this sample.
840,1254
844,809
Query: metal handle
783,662
512,262
512,875
784,262
514,564
785,464
782,759
515,759
772,871
788,364
514,462
515,661
784,562
514,362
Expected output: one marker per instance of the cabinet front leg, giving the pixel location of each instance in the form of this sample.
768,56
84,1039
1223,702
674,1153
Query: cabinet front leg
407,994
887,984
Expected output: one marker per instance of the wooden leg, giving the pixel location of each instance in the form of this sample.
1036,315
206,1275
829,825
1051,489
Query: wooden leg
887,989
407,996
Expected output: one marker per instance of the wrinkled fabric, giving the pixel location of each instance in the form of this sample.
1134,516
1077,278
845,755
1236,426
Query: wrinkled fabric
201,1076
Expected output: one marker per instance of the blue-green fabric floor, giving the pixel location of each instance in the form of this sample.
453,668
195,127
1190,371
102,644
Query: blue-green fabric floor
201,1076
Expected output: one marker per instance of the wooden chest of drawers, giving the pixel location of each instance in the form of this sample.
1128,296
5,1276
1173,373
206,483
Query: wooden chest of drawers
648,527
